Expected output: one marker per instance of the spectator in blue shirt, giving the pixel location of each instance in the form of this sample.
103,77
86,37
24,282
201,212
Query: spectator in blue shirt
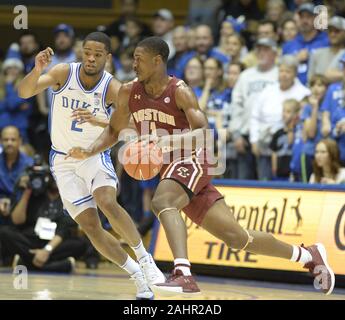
215,101
12,165
215,95
203,48
13,109
26,49
338,132
288,30
326,60
232,74
333,113
282,141
63,53
194,75
63,43
236,44
334,99
297,164
312,119
307,40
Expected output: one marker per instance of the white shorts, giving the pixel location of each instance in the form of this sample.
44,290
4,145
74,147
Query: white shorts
77,180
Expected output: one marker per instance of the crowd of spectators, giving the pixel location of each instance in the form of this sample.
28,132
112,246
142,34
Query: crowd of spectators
267,75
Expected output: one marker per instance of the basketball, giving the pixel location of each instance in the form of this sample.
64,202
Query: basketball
142,160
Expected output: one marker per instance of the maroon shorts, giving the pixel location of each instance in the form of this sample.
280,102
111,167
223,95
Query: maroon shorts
193,174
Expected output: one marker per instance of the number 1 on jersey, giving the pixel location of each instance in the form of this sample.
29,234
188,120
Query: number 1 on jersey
74,126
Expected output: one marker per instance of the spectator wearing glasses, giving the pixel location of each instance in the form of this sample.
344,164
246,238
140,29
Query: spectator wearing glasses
307,40
326,61
266,29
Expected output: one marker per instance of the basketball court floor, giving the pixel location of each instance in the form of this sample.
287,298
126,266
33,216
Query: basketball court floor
110,283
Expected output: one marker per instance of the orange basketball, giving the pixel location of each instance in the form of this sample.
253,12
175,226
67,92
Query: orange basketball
142,160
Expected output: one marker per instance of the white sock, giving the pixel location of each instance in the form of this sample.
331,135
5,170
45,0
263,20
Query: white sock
140,250
301,255
183,265
131,266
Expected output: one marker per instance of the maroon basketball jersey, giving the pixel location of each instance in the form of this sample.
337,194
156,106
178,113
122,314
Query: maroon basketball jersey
188,167
152,115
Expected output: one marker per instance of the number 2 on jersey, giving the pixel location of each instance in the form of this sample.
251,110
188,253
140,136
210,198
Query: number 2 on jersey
74,126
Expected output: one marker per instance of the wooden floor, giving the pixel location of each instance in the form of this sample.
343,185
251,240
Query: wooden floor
109,283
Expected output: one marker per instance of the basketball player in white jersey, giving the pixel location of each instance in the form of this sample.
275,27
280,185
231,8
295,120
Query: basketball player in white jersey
86,184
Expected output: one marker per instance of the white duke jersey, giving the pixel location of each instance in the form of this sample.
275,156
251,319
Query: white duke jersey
65,132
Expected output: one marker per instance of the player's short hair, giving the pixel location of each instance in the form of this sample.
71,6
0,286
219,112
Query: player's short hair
99,37
157,46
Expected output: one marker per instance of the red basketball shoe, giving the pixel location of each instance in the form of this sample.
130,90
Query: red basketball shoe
319,268
177,283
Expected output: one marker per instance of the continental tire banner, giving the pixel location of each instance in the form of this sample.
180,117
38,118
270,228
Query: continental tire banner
292,216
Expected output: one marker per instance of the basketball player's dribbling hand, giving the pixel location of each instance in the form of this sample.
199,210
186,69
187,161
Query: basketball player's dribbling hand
78,153
43,59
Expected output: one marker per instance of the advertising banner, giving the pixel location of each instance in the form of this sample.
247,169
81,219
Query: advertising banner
292,216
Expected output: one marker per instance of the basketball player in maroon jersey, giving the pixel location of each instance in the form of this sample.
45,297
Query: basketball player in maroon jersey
159,101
